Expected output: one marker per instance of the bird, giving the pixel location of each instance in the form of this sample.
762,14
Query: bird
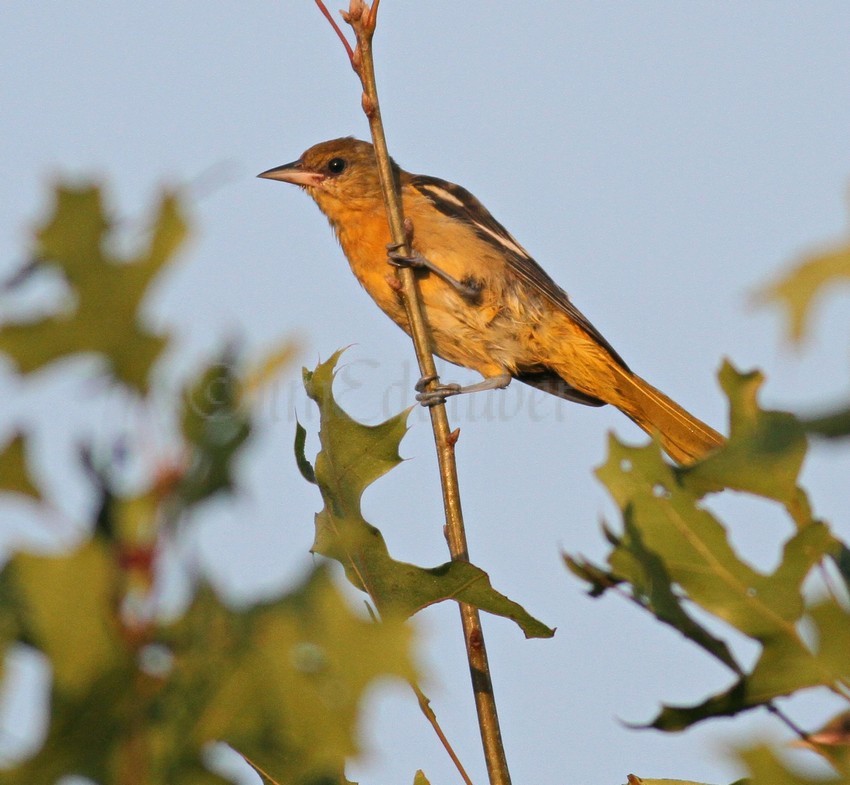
489,306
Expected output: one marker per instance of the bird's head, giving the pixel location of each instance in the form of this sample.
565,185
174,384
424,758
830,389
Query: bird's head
335,173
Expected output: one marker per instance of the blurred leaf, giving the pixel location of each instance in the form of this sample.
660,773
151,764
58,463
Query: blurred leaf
766,768
65,607
14,473
834,733
282,682
420,778
215,426
830,426
764,452
262,375
798,290
353,456
785,667
599,578
107,291
9,621
85,732
841,557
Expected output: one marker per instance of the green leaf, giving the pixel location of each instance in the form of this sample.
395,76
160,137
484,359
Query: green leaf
798,290
14,473
673,549
786,665
835,425
764,452
107,291
85,732
215,426
652,588
841,557
767,768
304,465
65,608
353,456
420,778
693,546
281,683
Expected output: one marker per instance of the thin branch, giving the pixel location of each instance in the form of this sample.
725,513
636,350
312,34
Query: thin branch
363,20
425,706
327,14
264,774
790,724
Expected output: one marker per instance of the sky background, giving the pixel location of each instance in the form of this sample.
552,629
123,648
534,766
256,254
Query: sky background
661,160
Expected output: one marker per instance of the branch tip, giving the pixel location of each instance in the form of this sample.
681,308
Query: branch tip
327,14
372,20
355,11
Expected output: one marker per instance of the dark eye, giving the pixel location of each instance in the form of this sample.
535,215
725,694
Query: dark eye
336,165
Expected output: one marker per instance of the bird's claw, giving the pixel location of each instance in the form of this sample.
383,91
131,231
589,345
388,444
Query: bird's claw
438,394
424,382
398,259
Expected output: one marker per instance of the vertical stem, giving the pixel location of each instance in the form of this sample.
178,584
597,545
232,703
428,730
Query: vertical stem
482,686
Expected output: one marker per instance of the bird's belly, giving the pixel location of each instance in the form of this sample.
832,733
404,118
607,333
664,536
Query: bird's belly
480,336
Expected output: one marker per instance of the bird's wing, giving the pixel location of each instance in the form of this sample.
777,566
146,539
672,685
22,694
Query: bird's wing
458,203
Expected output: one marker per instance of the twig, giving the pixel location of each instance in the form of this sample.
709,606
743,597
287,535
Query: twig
327,14
363,20
425,706
264,774
790,724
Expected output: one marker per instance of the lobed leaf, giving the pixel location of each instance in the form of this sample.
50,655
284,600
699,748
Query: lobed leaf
674,551
353,456
764,452
282,683
107,292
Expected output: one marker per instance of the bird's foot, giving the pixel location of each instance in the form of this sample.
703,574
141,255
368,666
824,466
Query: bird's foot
438,394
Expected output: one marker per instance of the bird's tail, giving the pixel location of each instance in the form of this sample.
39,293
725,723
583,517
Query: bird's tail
685,438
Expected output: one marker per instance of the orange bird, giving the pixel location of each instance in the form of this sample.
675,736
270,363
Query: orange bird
489,306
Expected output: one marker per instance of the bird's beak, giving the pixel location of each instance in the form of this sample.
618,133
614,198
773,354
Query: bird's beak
294,173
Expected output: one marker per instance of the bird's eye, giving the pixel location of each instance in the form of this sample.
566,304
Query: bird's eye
336,165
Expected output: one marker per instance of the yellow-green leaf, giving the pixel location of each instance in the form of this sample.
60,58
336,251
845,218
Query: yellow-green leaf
215,426
107,292
798,290
764,452
66,608
283,682
14,472
766,767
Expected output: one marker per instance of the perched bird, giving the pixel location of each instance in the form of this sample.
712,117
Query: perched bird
489,306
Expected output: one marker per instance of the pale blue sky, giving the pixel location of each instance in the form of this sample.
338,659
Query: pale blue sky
659,159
